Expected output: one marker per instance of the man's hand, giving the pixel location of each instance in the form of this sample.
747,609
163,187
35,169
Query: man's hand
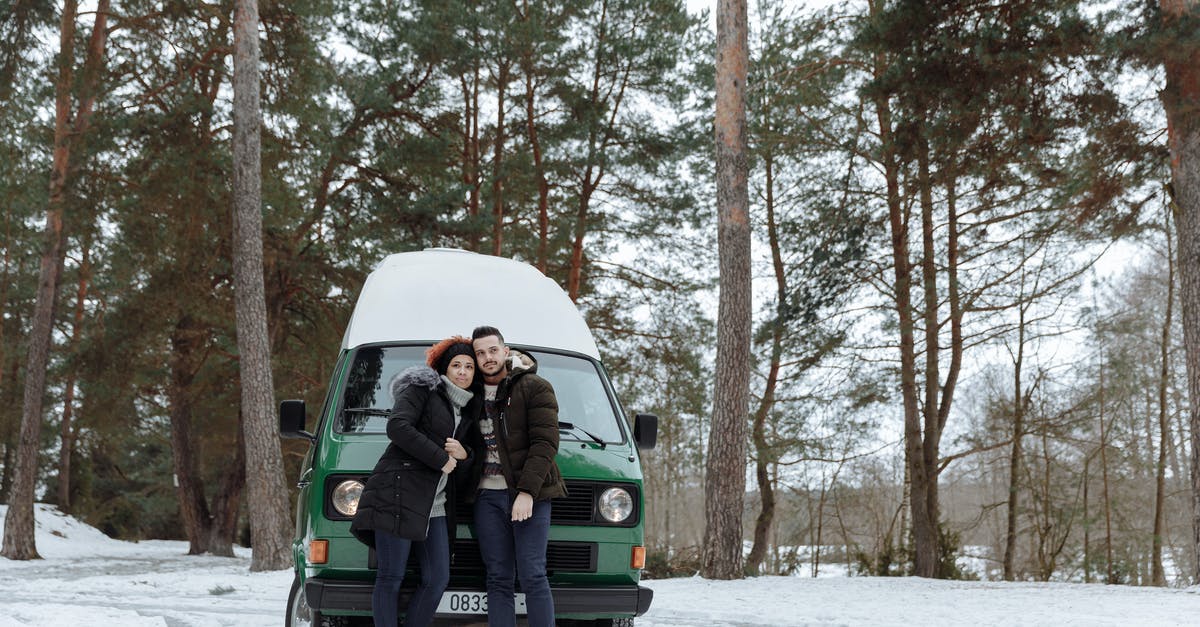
522,508
449,467
455,449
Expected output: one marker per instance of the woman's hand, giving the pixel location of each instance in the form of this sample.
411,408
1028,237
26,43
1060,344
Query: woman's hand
455,449
449,467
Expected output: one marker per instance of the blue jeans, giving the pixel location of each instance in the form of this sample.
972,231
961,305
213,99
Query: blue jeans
391,554
508,546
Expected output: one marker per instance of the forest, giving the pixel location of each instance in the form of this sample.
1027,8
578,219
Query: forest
967,327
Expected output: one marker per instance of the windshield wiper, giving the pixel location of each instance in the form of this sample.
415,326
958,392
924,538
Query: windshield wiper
567,426
370,411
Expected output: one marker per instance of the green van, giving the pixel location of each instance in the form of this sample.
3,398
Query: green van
595,554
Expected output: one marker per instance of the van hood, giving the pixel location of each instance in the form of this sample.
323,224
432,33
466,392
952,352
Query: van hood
586,461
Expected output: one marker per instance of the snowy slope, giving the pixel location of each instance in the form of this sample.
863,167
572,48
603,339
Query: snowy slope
89,579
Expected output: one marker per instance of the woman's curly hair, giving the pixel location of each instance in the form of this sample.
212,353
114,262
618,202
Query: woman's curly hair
435,352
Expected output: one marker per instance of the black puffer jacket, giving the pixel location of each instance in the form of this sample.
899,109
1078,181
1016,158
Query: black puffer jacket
398,496
527,433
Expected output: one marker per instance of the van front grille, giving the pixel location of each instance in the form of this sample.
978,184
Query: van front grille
578,507
561,557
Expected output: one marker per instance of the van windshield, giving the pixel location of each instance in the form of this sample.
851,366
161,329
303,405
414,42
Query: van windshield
583,400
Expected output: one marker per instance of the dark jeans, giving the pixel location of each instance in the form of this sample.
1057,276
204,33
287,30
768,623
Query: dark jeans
391,554
508,546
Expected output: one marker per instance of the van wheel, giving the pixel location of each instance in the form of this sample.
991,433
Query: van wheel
299,614
599,622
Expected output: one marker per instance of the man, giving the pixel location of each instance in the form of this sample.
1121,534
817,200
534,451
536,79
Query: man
518,434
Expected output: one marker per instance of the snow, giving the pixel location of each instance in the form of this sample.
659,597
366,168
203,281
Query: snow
87,578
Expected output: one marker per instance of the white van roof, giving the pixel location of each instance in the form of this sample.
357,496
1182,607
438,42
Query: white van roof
438,292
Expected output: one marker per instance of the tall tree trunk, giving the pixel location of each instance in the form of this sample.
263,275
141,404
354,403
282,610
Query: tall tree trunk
18,524
67,433
227,501
916,478
725,474
820,518
764,458
498,161
1181,102
1015,453
1158,575
470,151
1110,575
186,340
593,170
270,520
1087,523
5,388
5,282
924,462
535,146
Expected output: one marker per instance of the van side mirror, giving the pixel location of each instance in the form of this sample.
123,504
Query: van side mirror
645,431
291,420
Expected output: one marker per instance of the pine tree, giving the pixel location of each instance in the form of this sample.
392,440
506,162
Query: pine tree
725,474
1179,50
269,512
71,125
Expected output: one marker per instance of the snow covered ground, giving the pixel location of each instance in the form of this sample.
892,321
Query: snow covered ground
89,579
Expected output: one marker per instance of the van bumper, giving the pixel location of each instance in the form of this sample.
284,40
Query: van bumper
334,596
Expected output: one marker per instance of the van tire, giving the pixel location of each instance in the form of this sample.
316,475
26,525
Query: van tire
299,614
599,622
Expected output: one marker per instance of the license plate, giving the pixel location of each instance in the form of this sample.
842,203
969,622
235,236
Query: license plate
464,602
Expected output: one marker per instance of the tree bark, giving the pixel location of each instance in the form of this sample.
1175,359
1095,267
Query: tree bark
1087,523
1015,453
725,474
764,459
593,171
226,503
471,165
5,283
925,499
1158,575
270,520
186,339
1181,102
498,162
19,540
66,433
898,223
1110,575
535,146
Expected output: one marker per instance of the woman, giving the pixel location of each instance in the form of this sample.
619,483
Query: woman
407,506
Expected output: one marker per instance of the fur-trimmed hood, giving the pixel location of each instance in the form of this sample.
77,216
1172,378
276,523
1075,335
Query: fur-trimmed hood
423,376
520,363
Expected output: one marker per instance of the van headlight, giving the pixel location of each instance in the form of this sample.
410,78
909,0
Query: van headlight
345,497
616,504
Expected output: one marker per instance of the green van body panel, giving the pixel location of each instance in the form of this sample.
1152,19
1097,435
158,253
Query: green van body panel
334,454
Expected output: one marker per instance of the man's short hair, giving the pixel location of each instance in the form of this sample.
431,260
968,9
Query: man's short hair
484,331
